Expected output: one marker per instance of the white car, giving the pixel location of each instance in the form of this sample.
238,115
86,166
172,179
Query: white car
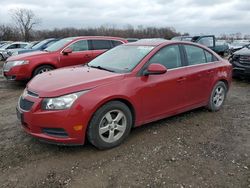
7,49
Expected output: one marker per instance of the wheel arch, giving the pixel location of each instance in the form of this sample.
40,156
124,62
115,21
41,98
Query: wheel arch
42,64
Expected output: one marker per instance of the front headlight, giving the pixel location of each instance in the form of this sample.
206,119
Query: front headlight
16,63
61,103
9,64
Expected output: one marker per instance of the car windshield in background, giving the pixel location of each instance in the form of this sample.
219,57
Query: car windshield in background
59,44
121,59
38,45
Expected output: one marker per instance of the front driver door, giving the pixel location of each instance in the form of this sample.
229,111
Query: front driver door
164,94
80,54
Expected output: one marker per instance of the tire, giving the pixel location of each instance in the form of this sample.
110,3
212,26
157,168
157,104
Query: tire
104,131
42,69
1,57
217,97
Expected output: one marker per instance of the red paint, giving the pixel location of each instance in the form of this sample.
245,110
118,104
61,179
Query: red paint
56,59
152,97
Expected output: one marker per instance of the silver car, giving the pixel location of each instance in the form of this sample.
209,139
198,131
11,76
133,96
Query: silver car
7,49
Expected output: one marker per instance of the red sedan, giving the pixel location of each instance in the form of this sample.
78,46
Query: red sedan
128,86
66,52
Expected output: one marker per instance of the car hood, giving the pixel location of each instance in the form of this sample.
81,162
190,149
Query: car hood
243,51
69,80
27,56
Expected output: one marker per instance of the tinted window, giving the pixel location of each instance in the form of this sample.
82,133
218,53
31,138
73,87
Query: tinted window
23,45
12,46
195,55
168,56
116,43
209,57
101,44
78,46
207,41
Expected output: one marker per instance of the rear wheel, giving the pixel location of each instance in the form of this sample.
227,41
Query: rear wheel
42,69
217,96
110,125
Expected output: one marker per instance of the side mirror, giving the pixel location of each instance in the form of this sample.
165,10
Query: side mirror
155,69
67,51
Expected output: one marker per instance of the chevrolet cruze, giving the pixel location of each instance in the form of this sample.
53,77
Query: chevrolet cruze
127,86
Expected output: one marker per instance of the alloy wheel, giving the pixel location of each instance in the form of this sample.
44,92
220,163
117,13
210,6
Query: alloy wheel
112,126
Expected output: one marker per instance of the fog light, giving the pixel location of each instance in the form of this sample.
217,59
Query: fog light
77,127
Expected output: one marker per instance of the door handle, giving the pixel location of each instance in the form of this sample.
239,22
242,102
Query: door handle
210,71
181,79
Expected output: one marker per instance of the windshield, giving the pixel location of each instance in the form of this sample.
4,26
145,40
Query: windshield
5,45
40,44
59,44
121,59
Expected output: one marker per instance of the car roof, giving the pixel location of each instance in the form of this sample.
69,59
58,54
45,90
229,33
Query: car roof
96,37
158,42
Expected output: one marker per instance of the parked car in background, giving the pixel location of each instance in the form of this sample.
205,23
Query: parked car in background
132,39
65,52
6,50
38,47
4,42
208,41
237,45
128,86
31,44
241,62
182,38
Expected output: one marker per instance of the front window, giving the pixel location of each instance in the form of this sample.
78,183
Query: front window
168,56
81,45
121,59
59,44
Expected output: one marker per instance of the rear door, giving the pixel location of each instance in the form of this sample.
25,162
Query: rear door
80,54
200,69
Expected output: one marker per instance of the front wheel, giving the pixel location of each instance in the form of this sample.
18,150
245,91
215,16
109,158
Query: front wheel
42,69
110,125
217,96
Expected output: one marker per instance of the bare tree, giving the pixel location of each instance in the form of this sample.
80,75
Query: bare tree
25,20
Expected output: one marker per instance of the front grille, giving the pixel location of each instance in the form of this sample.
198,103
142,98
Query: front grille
32,94
245,60
25,104
56,132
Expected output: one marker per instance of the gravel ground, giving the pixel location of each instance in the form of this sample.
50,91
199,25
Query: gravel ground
194,149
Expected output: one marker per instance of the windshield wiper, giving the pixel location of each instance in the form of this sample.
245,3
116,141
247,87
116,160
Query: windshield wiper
101,68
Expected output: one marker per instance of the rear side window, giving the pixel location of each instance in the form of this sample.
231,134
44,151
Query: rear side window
210,57
23,45
168,56
81,45
195,55
101,44
116,43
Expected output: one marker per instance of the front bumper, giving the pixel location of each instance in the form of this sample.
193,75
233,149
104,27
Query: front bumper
52,126
240,70
20,72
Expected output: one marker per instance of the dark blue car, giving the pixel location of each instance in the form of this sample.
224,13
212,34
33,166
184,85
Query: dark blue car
38,47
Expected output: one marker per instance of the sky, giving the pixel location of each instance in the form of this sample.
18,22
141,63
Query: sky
192,16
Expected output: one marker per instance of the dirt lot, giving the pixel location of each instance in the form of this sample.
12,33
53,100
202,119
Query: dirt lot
195,149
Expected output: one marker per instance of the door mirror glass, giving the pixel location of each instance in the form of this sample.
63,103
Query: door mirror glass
67,51
155,69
